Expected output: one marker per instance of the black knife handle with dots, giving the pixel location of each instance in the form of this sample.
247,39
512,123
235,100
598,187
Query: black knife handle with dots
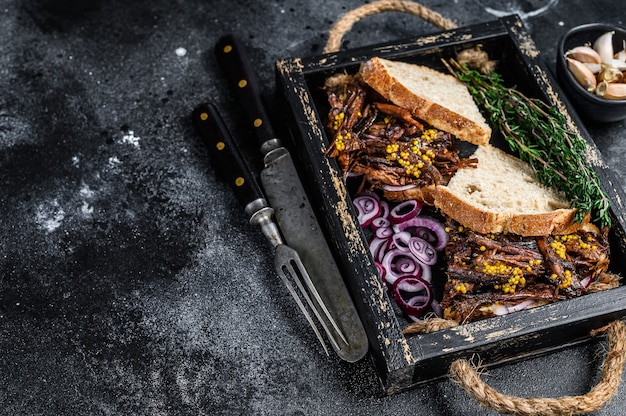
225,156
243,81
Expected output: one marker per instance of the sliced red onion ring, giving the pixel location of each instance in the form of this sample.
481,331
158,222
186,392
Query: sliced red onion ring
435,306
405,211
380,222
385,232
402,263
422,250
401,240
384,209
378,248
399,263
427,228
367,208
381,271
421,298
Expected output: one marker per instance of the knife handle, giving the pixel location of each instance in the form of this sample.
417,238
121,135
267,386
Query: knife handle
227,159
235,64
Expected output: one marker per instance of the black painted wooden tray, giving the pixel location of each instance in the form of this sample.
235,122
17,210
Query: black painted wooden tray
404,362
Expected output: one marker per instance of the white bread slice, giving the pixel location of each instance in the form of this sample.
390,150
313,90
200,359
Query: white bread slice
501,194
439,99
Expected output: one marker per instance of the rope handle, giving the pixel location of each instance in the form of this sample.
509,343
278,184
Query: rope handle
469,379
462,371
345,23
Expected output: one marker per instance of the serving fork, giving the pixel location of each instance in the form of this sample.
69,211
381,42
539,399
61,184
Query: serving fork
230,164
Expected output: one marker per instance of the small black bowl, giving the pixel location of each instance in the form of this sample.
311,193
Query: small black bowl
588,105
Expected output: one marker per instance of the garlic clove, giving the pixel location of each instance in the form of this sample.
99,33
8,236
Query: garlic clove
604,46
615,63
583,75
615,91
585,54
601,89
610,74
594,68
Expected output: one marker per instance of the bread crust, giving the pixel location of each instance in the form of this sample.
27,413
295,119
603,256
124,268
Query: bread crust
374,73
558,222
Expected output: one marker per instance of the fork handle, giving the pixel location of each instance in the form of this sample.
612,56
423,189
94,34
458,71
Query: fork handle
229,164
227,159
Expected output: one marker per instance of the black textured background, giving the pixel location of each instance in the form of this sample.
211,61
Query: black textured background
130,281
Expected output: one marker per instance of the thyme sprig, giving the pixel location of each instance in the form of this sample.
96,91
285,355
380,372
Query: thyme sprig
541,136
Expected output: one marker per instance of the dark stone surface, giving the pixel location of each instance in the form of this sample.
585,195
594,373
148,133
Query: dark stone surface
130,281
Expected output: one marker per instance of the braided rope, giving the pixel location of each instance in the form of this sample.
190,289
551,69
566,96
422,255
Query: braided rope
345,23
469,379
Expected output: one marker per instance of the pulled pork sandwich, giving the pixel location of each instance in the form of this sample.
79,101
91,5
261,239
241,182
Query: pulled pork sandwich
513,242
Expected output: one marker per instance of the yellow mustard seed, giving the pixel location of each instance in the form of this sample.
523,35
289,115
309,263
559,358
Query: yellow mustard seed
559,248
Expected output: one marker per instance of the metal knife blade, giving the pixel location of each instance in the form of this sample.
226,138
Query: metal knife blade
229,164
287,196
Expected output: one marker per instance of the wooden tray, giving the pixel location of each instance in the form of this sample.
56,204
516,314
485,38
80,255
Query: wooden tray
405,362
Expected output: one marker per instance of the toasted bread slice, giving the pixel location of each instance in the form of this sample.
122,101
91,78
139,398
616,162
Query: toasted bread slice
439,99
501,194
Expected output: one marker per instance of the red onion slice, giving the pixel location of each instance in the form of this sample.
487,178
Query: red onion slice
427,228
381,271
384,233
405,211
401,240
380,222
412,294
367,208
422,250
402,263
379,247
384,209
399,263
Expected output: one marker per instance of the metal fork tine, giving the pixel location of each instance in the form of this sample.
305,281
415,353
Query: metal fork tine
288,269
289,261
305,312
300,271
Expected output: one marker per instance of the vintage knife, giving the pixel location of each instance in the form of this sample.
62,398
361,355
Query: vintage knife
286,195
231,166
